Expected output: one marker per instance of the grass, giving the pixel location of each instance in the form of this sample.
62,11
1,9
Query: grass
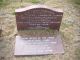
35,1
77,1
77,53
45,32
3,3
1,0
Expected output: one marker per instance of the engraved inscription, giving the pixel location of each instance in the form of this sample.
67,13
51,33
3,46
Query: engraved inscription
38,18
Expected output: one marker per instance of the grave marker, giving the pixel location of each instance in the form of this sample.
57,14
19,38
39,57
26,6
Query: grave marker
38,17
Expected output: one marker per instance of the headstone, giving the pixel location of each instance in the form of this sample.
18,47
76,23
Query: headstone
38,17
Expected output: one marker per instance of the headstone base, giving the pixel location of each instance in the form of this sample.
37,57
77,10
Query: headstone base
32,46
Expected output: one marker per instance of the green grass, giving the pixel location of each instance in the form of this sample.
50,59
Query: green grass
77,2
77,53
3,3
1,0
35,1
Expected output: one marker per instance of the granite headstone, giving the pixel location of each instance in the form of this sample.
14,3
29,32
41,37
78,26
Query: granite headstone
38,17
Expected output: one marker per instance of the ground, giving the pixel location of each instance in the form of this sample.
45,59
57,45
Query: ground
70,31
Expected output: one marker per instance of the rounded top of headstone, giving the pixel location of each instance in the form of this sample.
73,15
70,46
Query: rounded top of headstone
38,6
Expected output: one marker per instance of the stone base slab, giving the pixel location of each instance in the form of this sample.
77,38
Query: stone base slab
38,46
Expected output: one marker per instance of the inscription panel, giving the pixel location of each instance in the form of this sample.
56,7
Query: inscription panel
38,18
